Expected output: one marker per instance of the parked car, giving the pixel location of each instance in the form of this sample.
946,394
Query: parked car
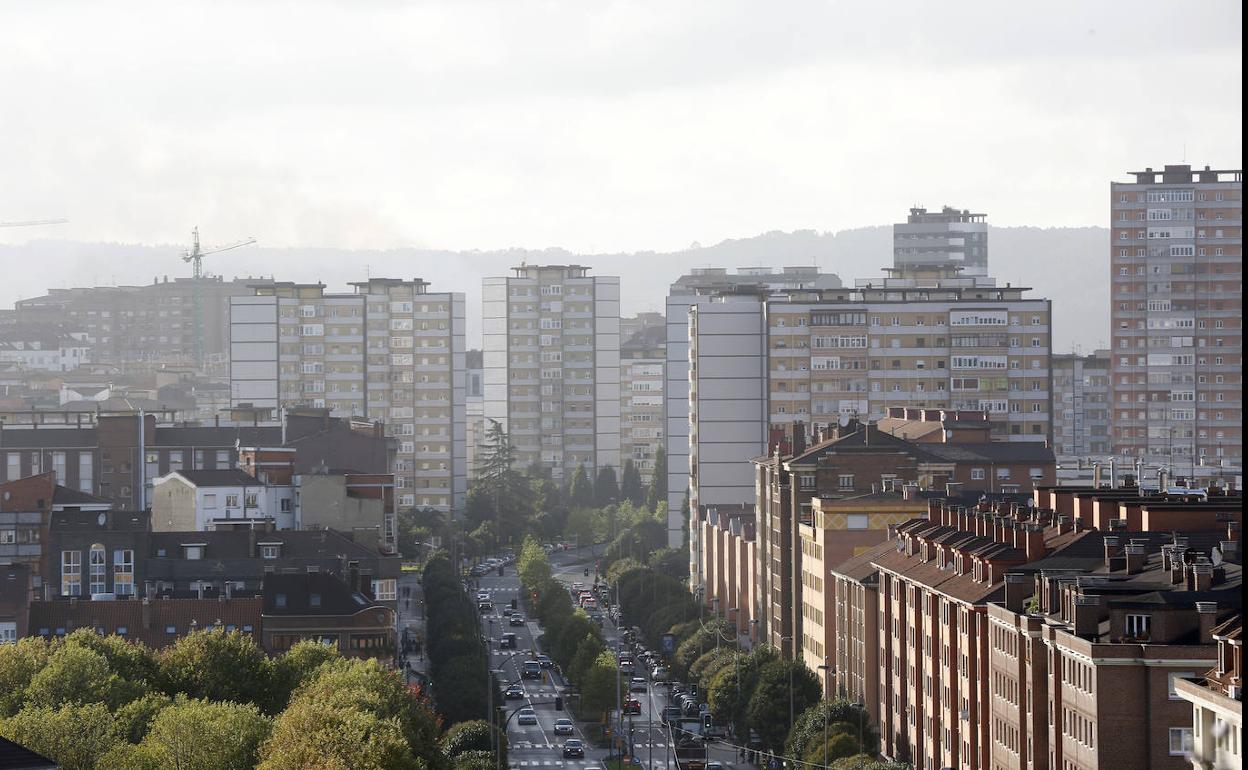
671,714
660,674
527,716
514,691
507,641
637,684
563,727
574,748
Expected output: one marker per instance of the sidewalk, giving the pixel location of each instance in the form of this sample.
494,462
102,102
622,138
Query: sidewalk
411,618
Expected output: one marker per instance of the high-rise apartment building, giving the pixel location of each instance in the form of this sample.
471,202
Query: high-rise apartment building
1176,317
1081,405
642,354
391,351
144,325
947,237
698,287
552,365
475,409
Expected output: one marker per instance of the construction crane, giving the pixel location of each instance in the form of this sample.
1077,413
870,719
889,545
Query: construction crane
195,255
32,222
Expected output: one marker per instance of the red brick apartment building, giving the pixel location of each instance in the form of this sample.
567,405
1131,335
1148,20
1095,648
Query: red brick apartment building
1009,635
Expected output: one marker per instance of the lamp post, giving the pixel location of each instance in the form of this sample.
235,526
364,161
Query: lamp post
827,670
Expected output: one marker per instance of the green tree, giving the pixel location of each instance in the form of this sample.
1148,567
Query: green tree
574,629
135,718
630,484
131,660
296,666
473,736
839,745
216,664
500,492
18,665
533,565
581,492
587,652
328,736
599,692
783,687
75,736
606,487
730,690
809,728
673,562
657,492
202,735
77,675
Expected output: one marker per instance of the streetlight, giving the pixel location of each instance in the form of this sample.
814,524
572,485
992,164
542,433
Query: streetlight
789,639
827,670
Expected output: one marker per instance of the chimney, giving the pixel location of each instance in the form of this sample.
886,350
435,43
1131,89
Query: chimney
1207,619
1172,562
1112,554
1062,523
251,542
953,488
353,573
1016,591
1232,531
1229,549
1087,615
147,612
909,491
1036,549
1200,577
799,438
1137,555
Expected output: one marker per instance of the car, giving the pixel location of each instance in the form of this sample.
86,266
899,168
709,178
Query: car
671,714
483,596
515,620
513,691
660,673
527,716
677,690
577,588
485,606
531,669
632,706
574,748
545,661
507,641
637,684
563,726
627,668
507,612
714,766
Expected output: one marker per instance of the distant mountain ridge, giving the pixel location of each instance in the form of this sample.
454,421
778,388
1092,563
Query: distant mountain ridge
1065,264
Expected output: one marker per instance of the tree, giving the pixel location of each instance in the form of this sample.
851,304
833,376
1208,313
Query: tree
630,484
201,735
587,652
328,736
599,692
577,626
134,719
75,736
131,660
808,730
77,675
673,562
657,492
783,687
606,488
18,665
581,491
216,664
500,492
730,690
296,666
476,735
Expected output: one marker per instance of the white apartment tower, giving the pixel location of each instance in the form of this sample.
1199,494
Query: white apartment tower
551,365
390,351
950,236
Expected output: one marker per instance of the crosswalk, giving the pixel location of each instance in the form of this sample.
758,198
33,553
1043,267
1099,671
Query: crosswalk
578,763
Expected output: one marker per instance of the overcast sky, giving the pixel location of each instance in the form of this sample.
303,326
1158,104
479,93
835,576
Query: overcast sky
594,126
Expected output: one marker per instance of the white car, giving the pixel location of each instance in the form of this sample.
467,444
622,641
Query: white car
527,716
563,727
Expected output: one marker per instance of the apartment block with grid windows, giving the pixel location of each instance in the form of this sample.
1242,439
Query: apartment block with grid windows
642,354
551,365
1177,325
390,350
1081,405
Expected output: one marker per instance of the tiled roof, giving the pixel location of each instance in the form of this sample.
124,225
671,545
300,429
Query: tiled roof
861,566
1231,629
66,496
218,436
313,593
65,615
236,544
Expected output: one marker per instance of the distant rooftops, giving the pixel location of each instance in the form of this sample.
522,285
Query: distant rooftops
919,215
232,477
1183,174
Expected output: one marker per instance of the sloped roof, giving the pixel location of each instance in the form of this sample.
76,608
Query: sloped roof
229,477
332,595
127,614
66,496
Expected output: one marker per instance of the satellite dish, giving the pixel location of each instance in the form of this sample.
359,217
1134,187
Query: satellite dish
1216,556
102,519
843,421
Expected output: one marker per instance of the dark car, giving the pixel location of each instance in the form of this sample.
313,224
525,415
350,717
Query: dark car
515,620
545,661
507,641
514,691
574,748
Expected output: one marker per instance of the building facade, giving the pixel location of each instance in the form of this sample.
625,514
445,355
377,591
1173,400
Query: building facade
1217,702
1081,405
552,365
1177,328
950,236
391,351
642,360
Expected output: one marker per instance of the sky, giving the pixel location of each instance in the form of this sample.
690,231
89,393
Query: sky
591,126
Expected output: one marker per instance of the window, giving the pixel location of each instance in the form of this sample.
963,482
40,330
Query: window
1138,626
857,521
231,501
71,573
98,584
845,481
977,474
385,590
1173,675
1003,473
210,502
1180,741
279,600
806,481
270,551
123,572
314,600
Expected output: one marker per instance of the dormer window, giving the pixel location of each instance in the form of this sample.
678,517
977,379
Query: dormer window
270,550
193,551
314,600
279,600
